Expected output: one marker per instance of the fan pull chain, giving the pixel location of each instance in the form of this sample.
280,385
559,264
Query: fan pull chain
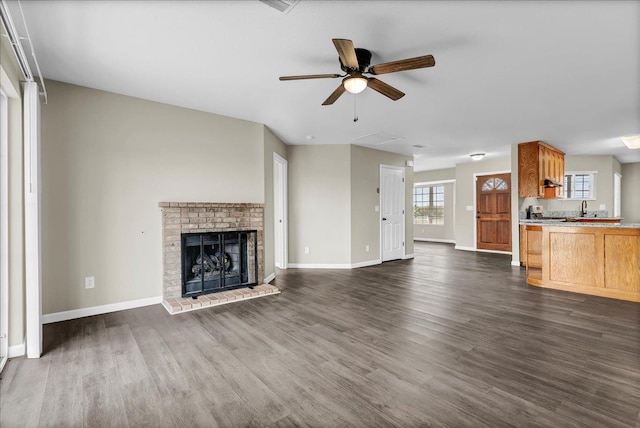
355,112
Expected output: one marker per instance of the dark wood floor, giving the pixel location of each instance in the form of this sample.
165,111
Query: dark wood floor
450,338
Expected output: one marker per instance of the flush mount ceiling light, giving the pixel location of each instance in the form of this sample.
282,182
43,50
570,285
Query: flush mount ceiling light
631,141
355,85
476,156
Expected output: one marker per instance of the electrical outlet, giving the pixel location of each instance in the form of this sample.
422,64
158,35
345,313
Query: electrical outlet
90,282
603,207
469,207
306,250
366,248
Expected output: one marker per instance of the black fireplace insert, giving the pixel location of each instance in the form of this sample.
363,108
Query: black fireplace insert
218,261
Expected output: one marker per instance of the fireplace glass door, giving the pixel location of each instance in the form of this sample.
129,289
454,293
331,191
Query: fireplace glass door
218,261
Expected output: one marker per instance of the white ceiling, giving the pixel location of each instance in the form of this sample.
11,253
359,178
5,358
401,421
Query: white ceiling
565,72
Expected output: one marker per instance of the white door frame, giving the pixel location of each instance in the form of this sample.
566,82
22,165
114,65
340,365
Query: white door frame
4,229
475,211
32,231
282,185
404,215
617,195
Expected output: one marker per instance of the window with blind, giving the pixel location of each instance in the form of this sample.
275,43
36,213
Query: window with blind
579,185
428,204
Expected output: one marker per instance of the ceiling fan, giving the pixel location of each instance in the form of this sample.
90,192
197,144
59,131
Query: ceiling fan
355,63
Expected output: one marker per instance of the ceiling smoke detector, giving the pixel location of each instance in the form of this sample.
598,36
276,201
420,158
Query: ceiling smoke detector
283,6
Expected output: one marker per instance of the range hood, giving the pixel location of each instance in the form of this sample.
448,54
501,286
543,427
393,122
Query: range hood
551,183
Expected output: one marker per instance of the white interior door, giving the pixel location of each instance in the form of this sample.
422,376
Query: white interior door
392,212
280,210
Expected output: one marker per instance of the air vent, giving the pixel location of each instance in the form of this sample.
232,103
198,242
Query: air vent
283,6
376,139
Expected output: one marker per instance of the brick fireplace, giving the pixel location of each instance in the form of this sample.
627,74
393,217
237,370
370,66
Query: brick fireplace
203,217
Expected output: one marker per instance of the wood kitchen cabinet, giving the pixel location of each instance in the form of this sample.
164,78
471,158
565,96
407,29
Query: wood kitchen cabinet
523,245
537,162
534,247
601,260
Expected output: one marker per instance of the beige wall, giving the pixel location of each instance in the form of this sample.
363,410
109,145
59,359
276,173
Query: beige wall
319,204
515,207
107,160
605,166
333,192
10,84
434,175
271,145
630,198
465,184
436,232
365,221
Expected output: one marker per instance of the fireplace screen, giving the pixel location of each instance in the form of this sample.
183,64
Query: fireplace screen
218,261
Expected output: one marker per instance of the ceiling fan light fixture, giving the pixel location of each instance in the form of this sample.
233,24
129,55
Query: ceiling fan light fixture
631,141
355,85
476,156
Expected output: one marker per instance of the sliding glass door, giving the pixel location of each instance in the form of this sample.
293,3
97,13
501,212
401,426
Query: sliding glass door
4,229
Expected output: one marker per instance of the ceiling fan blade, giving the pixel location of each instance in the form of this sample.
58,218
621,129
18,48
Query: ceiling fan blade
334,96
384,89
310,76
403,64
347,53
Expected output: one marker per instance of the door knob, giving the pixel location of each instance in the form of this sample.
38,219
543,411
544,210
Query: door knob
384,219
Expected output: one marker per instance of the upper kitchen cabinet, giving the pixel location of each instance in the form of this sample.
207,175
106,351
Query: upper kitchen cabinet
540,170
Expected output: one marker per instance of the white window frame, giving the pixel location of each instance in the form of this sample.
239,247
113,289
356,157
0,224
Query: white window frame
592,196
431,184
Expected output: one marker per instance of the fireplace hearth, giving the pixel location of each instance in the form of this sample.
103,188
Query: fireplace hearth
218,261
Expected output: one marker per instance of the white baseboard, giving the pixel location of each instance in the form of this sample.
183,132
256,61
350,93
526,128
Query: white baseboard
407,256
334,266
16,351
459,247
319,266
444,241
366,263
270,278
97,310
515,263
493,251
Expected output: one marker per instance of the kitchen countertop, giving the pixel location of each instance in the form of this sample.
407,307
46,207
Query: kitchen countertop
564,223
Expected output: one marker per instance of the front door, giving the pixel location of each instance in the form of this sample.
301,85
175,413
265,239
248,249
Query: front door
493,212
392,212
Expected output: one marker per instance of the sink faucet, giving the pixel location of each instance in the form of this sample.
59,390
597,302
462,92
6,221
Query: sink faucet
583,213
